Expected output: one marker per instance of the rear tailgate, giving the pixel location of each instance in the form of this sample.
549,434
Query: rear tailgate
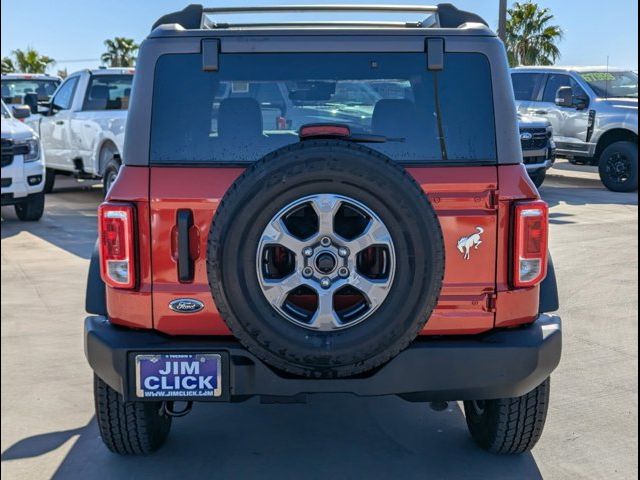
463,198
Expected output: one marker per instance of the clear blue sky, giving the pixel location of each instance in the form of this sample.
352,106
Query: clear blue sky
73,31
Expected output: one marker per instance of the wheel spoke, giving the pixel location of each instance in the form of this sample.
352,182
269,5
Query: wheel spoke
276,291
326,207
375,234
325,317
277,233
374,291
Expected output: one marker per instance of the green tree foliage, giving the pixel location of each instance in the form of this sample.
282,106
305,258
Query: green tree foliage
26,61
121,52
531,39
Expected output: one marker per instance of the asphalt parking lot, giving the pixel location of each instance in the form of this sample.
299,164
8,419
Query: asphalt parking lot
47,406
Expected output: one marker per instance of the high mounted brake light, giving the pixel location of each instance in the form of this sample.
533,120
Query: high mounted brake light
531,229
116,236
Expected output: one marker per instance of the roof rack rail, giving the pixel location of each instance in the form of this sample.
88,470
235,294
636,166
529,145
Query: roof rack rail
443,15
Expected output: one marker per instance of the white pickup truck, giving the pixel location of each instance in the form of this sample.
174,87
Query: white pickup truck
82,127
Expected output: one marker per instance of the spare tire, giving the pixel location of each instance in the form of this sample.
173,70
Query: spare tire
325,259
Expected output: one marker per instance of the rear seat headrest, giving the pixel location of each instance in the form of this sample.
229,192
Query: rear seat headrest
394,117
239,117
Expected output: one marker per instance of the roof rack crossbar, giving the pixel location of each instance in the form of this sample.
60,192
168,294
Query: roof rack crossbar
222,25
198,17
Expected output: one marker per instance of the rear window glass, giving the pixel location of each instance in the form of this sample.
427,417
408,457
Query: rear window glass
256,103
108,92
14,90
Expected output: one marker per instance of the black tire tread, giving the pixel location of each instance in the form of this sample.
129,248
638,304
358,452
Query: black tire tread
125,427
214,244
514,425
31,209
632,184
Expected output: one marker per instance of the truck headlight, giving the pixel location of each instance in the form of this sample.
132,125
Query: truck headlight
30,150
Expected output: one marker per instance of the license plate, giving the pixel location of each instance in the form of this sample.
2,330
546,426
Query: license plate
185,376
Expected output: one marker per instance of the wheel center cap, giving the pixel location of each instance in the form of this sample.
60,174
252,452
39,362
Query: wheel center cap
326,262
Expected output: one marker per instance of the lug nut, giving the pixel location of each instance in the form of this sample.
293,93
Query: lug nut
307,272
325,282
343,252
343,272
307,252
325,241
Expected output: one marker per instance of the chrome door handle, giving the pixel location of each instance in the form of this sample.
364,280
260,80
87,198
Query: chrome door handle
541,112
60,122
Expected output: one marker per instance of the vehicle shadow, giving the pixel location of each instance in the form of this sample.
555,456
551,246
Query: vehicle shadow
333,436
560,191
69,221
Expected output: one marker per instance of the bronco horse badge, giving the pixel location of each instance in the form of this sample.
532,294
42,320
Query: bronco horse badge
465,244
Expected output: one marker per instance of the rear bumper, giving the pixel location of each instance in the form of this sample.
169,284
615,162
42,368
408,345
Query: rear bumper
499,364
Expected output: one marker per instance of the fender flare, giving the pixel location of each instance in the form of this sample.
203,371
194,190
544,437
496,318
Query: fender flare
96,294
549,299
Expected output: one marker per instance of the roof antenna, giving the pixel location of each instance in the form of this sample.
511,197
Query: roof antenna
606,81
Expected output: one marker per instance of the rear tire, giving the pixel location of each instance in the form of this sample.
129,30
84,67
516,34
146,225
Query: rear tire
619,167
31,209
49,180
110,175
129,428
509,425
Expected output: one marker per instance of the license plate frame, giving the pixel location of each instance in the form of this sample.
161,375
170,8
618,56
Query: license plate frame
148,363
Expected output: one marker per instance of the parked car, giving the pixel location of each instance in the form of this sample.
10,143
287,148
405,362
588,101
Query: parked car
22,165
538,147
29,89
594,114
402,252
82,128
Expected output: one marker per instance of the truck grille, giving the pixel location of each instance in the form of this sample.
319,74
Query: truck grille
540,138
7,151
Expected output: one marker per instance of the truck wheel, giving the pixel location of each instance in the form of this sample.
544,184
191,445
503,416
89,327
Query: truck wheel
129,428
619,167
49,180
316,261
538,178
31,209
110,174
509,425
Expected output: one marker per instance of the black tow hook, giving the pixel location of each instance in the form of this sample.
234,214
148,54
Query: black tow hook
167,408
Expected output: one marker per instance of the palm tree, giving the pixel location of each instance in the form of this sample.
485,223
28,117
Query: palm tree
530,39
7,65
27,61
120,52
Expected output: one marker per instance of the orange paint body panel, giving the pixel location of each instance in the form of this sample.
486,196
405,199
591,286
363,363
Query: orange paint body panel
132,308
466,199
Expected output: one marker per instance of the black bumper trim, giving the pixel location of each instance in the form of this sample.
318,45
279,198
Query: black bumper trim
498,364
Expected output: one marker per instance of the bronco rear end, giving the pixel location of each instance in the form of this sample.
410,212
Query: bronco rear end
322,208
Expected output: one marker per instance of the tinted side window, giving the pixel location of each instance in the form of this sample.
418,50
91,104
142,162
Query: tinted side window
526,85
108,92
554,82
63,99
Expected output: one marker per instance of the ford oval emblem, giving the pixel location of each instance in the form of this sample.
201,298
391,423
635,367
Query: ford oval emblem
526,136
186,305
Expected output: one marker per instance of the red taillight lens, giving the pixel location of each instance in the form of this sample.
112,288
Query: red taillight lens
324,130
116,234
531,228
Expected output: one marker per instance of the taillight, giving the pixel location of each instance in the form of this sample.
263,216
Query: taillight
531,230
116,234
